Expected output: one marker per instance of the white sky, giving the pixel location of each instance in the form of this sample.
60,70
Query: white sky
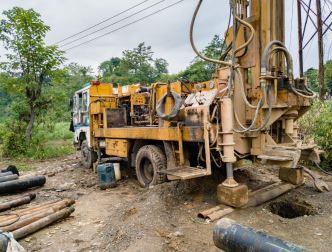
166,32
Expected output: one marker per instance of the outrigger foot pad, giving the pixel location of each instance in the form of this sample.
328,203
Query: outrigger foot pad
236,196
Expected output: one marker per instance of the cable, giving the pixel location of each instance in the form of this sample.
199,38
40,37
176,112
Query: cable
112,24
124,26
220,62
252,30
320,168
103,21
240,78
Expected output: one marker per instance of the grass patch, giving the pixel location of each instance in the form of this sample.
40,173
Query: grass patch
51,149
49,141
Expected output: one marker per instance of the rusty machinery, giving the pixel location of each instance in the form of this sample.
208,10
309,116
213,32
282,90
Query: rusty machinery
249,109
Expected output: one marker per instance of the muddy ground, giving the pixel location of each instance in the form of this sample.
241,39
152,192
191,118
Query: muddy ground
163,218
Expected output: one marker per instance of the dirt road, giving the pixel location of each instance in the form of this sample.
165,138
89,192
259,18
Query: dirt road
163,218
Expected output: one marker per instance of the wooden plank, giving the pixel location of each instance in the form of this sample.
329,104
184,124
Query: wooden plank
186,172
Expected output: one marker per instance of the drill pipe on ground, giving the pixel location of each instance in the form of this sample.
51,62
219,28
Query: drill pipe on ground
17,202
232,237
21,184
3,174
25,211
28,212
43,222
28,219
11,168
35,226
8,178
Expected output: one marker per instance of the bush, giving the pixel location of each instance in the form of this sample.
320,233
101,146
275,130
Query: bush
12,138
47,141
316,125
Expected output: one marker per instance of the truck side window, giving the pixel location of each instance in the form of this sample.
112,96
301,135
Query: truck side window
80,102
85,102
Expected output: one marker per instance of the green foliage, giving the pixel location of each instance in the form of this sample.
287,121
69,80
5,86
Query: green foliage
201,70
29,60
135,66
312,74
49,141
11,138
316,125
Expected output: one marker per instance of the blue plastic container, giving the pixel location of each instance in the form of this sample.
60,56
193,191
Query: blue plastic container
106,175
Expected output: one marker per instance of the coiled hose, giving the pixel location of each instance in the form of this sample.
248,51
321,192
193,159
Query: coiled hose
282,48
175,110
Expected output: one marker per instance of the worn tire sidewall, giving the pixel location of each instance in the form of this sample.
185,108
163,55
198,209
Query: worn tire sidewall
146,152
86,163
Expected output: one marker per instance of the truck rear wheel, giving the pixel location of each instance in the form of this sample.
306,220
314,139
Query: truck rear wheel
150,160
88,156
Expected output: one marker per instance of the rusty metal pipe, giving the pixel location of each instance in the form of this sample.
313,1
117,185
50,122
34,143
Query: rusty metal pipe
67,202
6,220
30,218
43,222
17,202
230,236
8,178
21,184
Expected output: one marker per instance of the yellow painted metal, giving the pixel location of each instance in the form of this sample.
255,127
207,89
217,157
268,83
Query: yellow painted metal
117,147
189,134
266,17
101,90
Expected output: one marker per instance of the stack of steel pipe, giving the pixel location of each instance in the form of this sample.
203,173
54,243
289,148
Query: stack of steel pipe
10,181
25,199
26,221
10,186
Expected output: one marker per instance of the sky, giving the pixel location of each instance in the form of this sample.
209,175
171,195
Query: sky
167,32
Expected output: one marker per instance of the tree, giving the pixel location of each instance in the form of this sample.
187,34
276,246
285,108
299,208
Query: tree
108,68
29,59
135,66
160,66
328,76
312,75
201,70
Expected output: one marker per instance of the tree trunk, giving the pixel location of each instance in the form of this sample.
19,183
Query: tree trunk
28,131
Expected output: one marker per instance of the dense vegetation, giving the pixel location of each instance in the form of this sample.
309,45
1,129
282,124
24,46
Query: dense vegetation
36,84
316,125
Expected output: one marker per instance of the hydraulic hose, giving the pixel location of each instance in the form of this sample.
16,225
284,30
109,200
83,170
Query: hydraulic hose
266,52
192,24
243,94
260,105
251,37
250,128
281,48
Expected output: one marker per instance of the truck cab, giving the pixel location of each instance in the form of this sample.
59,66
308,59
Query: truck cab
80,125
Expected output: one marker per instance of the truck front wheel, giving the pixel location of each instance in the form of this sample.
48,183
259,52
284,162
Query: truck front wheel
88,156
150,160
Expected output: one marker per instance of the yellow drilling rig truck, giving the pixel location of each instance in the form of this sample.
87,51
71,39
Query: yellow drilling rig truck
180,131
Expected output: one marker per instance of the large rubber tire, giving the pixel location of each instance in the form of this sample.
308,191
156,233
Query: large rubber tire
88,156
150,160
